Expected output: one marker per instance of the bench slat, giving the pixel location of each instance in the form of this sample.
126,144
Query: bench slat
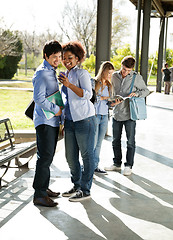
8,150
18,150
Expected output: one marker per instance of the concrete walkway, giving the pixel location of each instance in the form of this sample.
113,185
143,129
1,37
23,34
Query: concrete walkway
136,207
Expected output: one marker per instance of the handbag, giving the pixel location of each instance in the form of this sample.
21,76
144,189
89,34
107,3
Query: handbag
138,110
93,98
29,111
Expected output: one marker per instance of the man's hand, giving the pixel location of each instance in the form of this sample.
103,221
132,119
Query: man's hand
59,113
117,101
132,95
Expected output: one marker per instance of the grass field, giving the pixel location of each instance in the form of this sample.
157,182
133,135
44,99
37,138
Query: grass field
21,74
14,102
13,105
152,81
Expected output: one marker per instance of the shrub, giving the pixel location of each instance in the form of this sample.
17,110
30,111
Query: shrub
9,59
89,63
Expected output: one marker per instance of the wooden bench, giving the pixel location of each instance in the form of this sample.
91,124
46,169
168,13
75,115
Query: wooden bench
9,150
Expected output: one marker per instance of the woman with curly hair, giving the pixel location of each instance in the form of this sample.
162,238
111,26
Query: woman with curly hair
80,121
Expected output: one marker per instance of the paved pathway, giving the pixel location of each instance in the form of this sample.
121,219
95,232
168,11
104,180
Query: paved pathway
136,207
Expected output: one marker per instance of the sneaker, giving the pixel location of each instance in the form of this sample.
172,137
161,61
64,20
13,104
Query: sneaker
112,168
70,192
127,171
98,170
79,196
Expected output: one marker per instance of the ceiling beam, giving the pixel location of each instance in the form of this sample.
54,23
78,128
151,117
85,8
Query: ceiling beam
158,6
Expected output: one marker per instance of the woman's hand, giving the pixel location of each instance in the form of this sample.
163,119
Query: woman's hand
64,80
103,98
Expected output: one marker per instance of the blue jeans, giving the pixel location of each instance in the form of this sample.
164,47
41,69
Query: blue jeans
101,128
47,138
130,128
79,136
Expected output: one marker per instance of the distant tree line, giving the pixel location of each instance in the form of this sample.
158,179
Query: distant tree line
76,23
24,50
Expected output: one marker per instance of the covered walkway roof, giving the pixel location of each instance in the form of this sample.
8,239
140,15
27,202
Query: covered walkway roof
162,9
159,8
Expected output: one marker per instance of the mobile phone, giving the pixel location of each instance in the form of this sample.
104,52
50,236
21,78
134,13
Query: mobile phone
60,76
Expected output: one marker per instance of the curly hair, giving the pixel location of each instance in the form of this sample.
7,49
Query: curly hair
76,48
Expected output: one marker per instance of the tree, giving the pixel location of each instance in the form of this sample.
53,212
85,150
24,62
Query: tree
169,57
154,59
10,53
80,24
44,37
8,41
120,26
30,42
89,63
33,45
120,53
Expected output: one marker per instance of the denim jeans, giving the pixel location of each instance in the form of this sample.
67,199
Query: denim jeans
130,128
47,138
79,136
101,128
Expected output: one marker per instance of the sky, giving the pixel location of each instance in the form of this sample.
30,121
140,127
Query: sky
40,15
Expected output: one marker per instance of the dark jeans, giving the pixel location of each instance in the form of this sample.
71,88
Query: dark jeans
47,138
130,128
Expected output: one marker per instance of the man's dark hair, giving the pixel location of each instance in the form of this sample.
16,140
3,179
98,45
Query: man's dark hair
51,47
128,62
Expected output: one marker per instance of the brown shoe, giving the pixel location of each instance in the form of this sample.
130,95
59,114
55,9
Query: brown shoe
50,193
45,201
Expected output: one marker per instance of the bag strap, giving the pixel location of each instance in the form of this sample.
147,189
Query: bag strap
132,84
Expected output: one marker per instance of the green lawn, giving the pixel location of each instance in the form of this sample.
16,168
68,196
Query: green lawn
12,105
21,74
152,81
14,102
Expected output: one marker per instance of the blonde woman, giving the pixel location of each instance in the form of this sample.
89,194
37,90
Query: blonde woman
103,90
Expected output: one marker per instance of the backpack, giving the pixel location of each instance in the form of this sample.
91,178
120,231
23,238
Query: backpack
93,98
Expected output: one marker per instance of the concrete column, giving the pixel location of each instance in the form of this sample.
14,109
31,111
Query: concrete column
104,30
166,36
160,56
145,39
138,35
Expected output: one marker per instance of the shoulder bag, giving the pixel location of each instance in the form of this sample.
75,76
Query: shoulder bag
30,109
138,110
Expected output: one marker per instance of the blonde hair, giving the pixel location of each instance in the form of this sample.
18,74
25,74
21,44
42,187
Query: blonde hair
99,84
